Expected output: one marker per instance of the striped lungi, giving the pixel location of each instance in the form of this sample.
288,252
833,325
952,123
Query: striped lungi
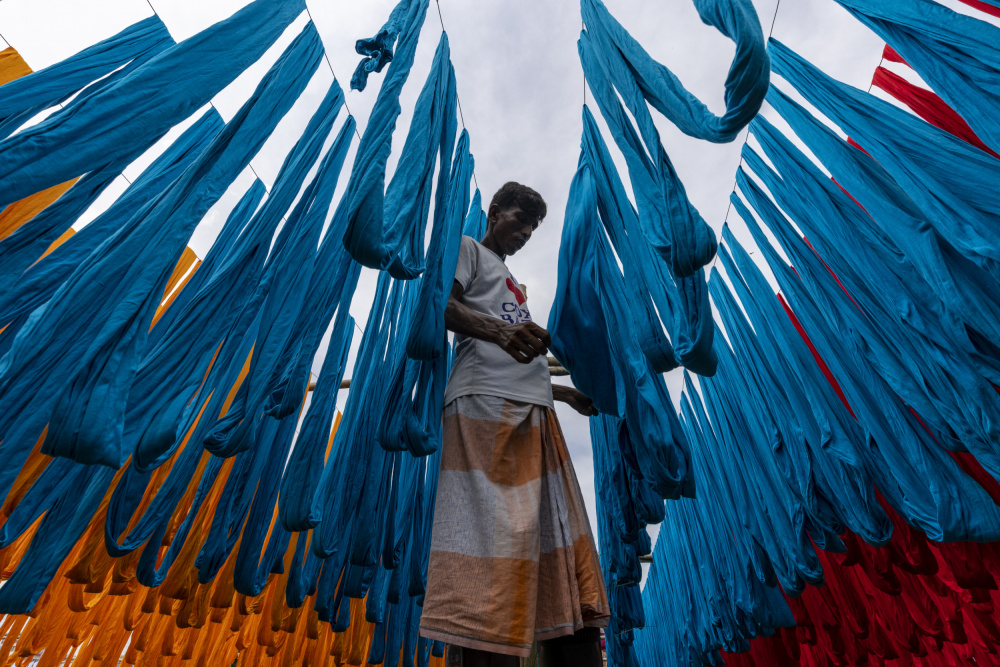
512,555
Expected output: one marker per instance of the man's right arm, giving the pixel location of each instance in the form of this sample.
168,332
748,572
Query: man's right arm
524,342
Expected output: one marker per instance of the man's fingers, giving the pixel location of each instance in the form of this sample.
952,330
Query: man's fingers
522,352
532,341
540,333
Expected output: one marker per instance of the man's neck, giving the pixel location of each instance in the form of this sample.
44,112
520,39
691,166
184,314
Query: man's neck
490,244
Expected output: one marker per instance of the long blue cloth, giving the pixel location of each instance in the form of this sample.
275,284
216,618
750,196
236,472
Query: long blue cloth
957,55
657,447
143,105
895,221
746,83
284,287
670,223
28,95
367,232
946,183
41,280
79,352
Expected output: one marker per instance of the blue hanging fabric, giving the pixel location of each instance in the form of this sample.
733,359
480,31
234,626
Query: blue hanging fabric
668,220
577,322
142,106
161,389
231,230
298,505
387,231
130,48
656,448
925,485
80,362
283,321
957,55
962,286
746,84
648,285
378,49
935,345
947,183
475,222
416,387
817,443
39,283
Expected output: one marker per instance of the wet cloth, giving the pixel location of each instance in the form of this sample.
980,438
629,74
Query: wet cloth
512,555
481,367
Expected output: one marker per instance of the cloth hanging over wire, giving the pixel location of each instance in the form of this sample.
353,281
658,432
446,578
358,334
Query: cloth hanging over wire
68,359
689,328
377,232
928,106
53,85
949,196
38,284
658,450
746,83
957,55
961,285
141,106
282,292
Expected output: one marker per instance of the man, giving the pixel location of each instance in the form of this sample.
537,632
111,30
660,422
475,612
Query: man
512,555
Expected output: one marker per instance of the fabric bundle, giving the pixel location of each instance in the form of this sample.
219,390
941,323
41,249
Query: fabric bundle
847,498
143,487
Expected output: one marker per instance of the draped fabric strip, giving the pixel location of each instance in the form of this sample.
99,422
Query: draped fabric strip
140,481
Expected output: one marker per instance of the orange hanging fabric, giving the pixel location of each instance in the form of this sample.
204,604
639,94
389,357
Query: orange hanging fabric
12,65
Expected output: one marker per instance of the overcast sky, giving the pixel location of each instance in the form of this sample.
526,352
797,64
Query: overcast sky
521,88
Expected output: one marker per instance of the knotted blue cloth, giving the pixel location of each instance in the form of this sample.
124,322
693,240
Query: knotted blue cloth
378,49
746,83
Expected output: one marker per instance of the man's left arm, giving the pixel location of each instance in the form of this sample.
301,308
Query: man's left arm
575,398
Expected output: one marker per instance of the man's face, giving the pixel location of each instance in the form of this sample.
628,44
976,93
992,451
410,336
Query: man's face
511,227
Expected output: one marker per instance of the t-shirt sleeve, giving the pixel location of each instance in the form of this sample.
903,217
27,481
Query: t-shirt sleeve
468,260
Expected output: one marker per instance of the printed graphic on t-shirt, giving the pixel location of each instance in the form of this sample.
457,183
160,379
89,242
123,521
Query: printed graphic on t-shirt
515,312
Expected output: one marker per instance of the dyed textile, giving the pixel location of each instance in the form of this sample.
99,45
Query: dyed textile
957,55
928,106
746,84
946,183
369,239
527,568
53,85
12,66
140,107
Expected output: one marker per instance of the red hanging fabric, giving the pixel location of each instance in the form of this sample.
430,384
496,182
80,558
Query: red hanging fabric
992,10
928,106
889,53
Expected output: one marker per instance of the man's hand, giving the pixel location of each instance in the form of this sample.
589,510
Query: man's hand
525,341
574,399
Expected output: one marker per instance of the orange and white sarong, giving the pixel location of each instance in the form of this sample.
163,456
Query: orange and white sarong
512,558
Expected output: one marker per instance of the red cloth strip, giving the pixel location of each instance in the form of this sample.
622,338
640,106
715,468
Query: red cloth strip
928,106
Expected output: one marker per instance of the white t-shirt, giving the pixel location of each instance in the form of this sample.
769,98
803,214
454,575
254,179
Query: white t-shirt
481,367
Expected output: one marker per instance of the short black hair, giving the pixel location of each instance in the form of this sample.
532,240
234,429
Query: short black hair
513,194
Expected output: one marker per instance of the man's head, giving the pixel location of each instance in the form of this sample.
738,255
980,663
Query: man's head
515,212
